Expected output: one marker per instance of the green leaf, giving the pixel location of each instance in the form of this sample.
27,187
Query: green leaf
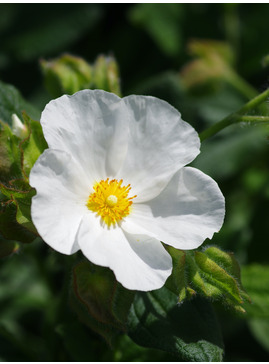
163,23
57,34
255,279
99,300
189,331
27,305
20,194
12,102
230,151
260,329
126,350
75,339
9,226
23,215
10,347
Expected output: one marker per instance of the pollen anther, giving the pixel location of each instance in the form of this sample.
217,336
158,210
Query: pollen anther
110,200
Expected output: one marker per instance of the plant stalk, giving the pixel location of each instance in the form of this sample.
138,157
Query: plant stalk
238,117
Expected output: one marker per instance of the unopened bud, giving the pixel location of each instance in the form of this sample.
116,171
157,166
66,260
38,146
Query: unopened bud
66,75
204,48
18,128
212,64
106,74
211,273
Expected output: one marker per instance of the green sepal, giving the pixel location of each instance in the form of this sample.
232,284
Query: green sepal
10,154
218,277
99,300
177,282
211,273
32,146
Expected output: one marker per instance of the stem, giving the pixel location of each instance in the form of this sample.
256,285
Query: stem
254,119
237,117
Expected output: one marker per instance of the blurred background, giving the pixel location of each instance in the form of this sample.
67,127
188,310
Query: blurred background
207,60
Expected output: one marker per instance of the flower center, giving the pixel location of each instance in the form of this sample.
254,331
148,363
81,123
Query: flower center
110,200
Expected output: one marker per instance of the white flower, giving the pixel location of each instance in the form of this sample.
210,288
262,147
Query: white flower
113,184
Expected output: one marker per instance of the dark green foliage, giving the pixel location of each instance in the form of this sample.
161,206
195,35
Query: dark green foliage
189,331
11,102
99,300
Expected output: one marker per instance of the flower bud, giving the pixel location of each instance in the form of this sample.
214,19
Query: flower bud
106,74
66,75
204,48
18,128
211,66
211,273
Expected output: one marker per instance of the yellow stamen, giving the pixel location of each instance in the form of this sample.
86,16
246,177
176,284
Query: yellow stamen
110,200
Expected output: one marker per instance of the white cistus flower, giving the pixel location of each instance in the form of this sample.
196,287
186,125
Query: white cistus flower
113,184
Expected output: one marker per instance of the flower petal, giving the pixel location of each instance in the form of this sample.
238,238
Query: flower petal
139,262
159,144
139,139
189,210
60,202
91,125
